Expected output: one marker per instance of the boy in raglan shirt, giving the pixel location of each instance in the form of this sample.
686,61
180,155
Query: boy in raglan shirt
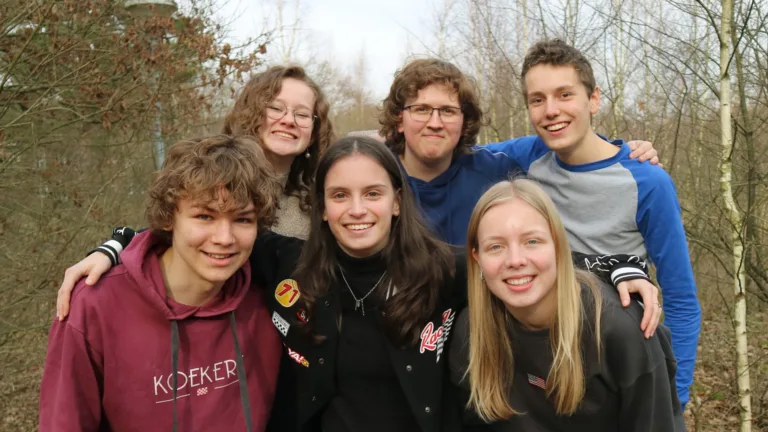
609,203
173,338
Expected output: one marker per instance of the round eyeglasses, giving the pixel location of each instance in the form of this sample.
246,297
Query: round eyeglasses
302,117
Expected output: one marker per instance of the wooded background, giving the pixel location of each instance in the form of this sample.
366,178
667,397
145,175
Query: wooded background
82,82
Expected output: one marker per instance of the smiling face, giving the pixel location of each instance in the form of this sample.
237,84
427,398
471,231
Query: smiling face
360,203
210,241
431,143
560,108
283,139
516,253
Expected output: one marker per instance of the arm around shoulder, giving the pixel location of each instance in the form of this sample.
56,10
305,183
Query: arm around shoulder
272,253
521,151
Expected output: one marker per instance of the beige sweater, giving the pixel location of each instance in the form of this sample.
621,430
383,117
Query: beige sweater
292,221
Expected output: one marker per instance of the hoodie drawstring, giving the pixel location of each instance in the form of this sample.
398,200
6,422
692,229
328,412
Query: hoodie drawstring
174,367
241,375
243,383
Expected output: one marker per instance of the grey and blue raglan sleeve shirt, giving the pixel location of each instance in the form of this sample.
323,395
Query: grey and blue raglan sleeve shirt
619,205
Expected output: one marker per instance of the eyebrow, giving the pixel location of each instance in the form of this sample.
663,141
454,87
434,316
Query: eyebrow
558,89
212,209
294,107
247,212
344,188
524,234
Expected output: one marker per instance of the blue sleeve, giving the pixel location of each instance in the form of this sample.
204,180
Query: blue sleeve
521,151
660,223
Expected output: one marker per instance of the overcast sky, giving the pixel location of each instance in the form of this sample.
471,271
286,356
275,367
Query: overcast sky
386,30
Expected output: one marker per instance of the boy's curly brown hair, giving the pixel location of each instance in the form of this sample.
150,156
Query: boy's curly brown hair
199,169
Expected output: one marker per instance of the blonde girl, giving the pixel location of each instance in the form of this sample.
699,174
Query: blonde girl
544,346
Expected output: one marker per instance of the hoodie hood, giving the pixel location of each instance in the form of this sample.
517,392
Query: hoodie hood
142,261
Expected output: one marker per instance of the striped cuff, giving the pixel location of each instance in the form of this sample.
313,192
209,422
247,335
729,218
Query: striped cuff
112,249
626,272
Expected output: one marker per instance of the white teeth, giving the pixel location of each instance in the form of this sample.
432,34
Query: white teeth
359,227
285,135
219,256
556,127
522,281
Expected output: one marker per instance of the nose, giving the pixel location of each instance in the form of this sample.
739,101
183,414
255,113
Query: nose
552,108
435,122
222,234
515,257
288,119
358,208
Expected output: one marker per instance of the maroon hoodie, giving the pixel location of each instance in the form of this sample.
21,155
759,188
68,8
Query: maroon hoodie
110,363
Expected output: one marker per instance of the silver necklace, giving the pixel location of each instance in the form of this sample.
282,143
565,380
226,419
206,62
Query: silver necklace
359,301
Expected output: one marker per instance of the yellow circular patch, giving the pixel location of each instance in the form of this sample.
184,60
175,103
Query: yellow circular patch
287,292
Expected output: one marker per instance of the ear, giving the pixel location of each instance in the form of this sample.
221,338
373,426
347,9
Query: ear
474,256
396,207
594,101
400,122
325,215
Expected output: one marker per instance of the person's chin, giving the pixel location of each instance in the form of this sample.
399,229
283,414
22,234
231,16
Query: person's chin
436,153
283,149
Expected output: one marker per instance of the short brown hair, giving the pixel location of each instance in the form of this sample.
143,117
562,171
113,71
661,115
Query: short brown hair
200,168
248,114
555,52
416,76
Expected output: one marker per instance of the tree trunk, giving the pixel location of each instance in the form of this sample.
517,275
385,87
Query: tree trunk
726,173
752,177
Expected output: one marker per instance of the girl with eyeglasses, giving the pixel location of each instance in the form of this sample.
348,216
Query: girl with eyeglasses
288,113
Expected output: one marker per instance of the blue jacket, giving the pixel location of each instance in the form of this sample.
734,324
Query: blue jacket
447,201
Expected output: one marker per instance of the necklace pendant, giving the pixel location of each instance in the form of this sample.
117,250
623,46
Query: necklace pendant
358,304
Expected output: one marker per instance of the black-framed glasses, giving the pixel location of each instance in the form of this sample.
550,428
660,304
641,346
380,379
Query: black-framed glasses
422,113
301,116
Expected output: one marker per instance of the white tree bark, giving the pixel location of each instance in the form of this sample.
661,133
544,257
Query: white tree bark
525,45
726,168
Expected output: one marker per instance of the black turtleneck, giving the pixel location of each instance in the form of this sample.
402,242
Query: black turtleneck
369,395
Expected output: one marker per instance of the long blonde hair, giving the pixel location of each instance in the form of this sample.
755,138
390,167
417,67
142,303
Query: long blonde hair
491,360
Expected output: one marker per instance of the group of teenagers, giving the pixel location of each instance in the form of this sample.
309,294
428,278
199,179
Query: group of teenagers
289,281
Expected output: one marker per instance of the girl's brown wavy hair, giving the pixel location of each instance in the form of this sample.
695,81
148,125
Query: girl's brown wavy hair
248,116
417,75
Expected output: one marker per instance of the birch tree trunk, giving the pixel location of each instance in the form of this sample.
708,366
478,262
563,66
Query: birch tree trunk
525,45
618,83
726,168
